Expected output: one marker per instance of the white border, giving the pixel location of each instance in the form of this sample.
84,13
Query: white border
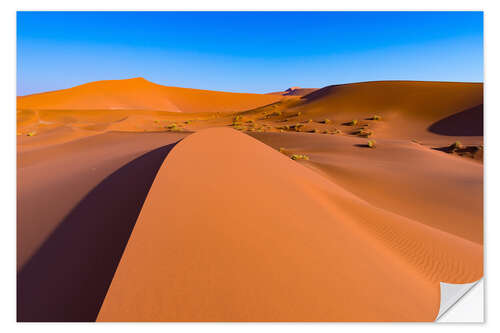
8,136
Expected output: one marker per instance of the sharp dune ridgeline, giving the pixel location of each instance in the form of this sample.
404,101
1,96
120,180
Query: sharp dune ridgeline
350,202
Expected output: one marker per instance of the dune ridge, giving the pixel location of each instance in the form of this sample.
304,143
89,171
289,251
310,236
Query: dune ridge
283,243
141,94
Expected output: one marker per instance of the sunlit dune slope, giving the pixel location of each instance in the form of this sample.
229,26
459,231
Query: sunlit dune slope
140,94
410,106
233,230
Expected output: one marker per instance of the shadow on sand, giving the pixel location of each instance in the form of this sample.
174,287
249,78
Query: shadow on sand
362,145
464,123
68,277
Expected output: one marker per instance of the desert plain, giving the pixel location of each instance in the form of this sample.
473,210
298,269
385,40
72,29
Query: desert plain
351,202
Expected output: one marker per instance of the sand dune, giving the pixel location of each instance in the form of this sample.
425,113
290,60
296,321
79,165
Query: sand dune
410,106
140,94
233,230
74,221
295,91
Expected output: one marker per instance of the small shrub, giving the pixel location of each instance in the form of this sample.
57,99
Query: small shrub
371,143
296,157
299,114
281,150
314,130
456,145
376,117
365,133
187,122
274,114
336,131
173,127
326,121
353,122
31,134
156,121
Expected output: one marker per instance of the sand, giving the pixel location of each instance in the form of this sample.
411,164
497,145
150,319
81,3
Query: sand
281,243
119,221
77,204
140,94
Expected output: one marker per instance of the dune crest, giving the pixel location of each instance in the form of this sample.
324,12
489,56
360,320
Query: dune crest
271,240
141,94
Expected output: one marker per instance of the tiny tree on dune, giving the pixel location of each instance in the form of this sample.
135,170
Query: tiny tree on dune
371,143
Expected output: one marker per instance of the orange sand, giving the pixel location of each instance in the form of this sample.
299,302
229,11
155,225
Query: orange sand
232,230
140,94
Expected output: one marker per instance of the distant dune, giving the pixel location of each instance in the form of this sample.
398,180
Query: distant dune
140,94
411,106
233,230
294,91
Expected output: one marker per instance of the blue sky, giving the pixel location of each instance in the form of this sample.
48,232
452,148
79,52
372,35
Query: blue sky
246,51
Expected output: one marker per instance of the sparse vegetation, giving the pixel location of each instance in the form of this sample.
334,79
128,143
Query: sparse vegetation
456,145
365,133
296,157
31,134
173,127
187,122
353,122
296,127
371,143
314,130
376,117
326,121
274,114
281,150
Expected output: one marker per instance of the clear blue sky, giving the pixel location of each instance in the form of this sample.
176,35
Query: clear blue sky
246,52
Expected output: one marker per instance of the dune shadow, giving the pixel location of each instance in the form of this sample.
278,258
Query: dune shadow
68,277
465,123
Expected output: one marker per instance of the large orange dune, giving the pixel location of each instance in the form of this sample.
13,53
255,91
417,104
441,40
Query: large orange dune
138,202
409,106
140,94
232,230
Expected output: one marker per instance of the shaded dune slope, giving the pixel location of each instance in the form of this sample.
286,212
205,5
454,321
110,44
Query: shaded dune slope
271,240
466,123
140,94
66,277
